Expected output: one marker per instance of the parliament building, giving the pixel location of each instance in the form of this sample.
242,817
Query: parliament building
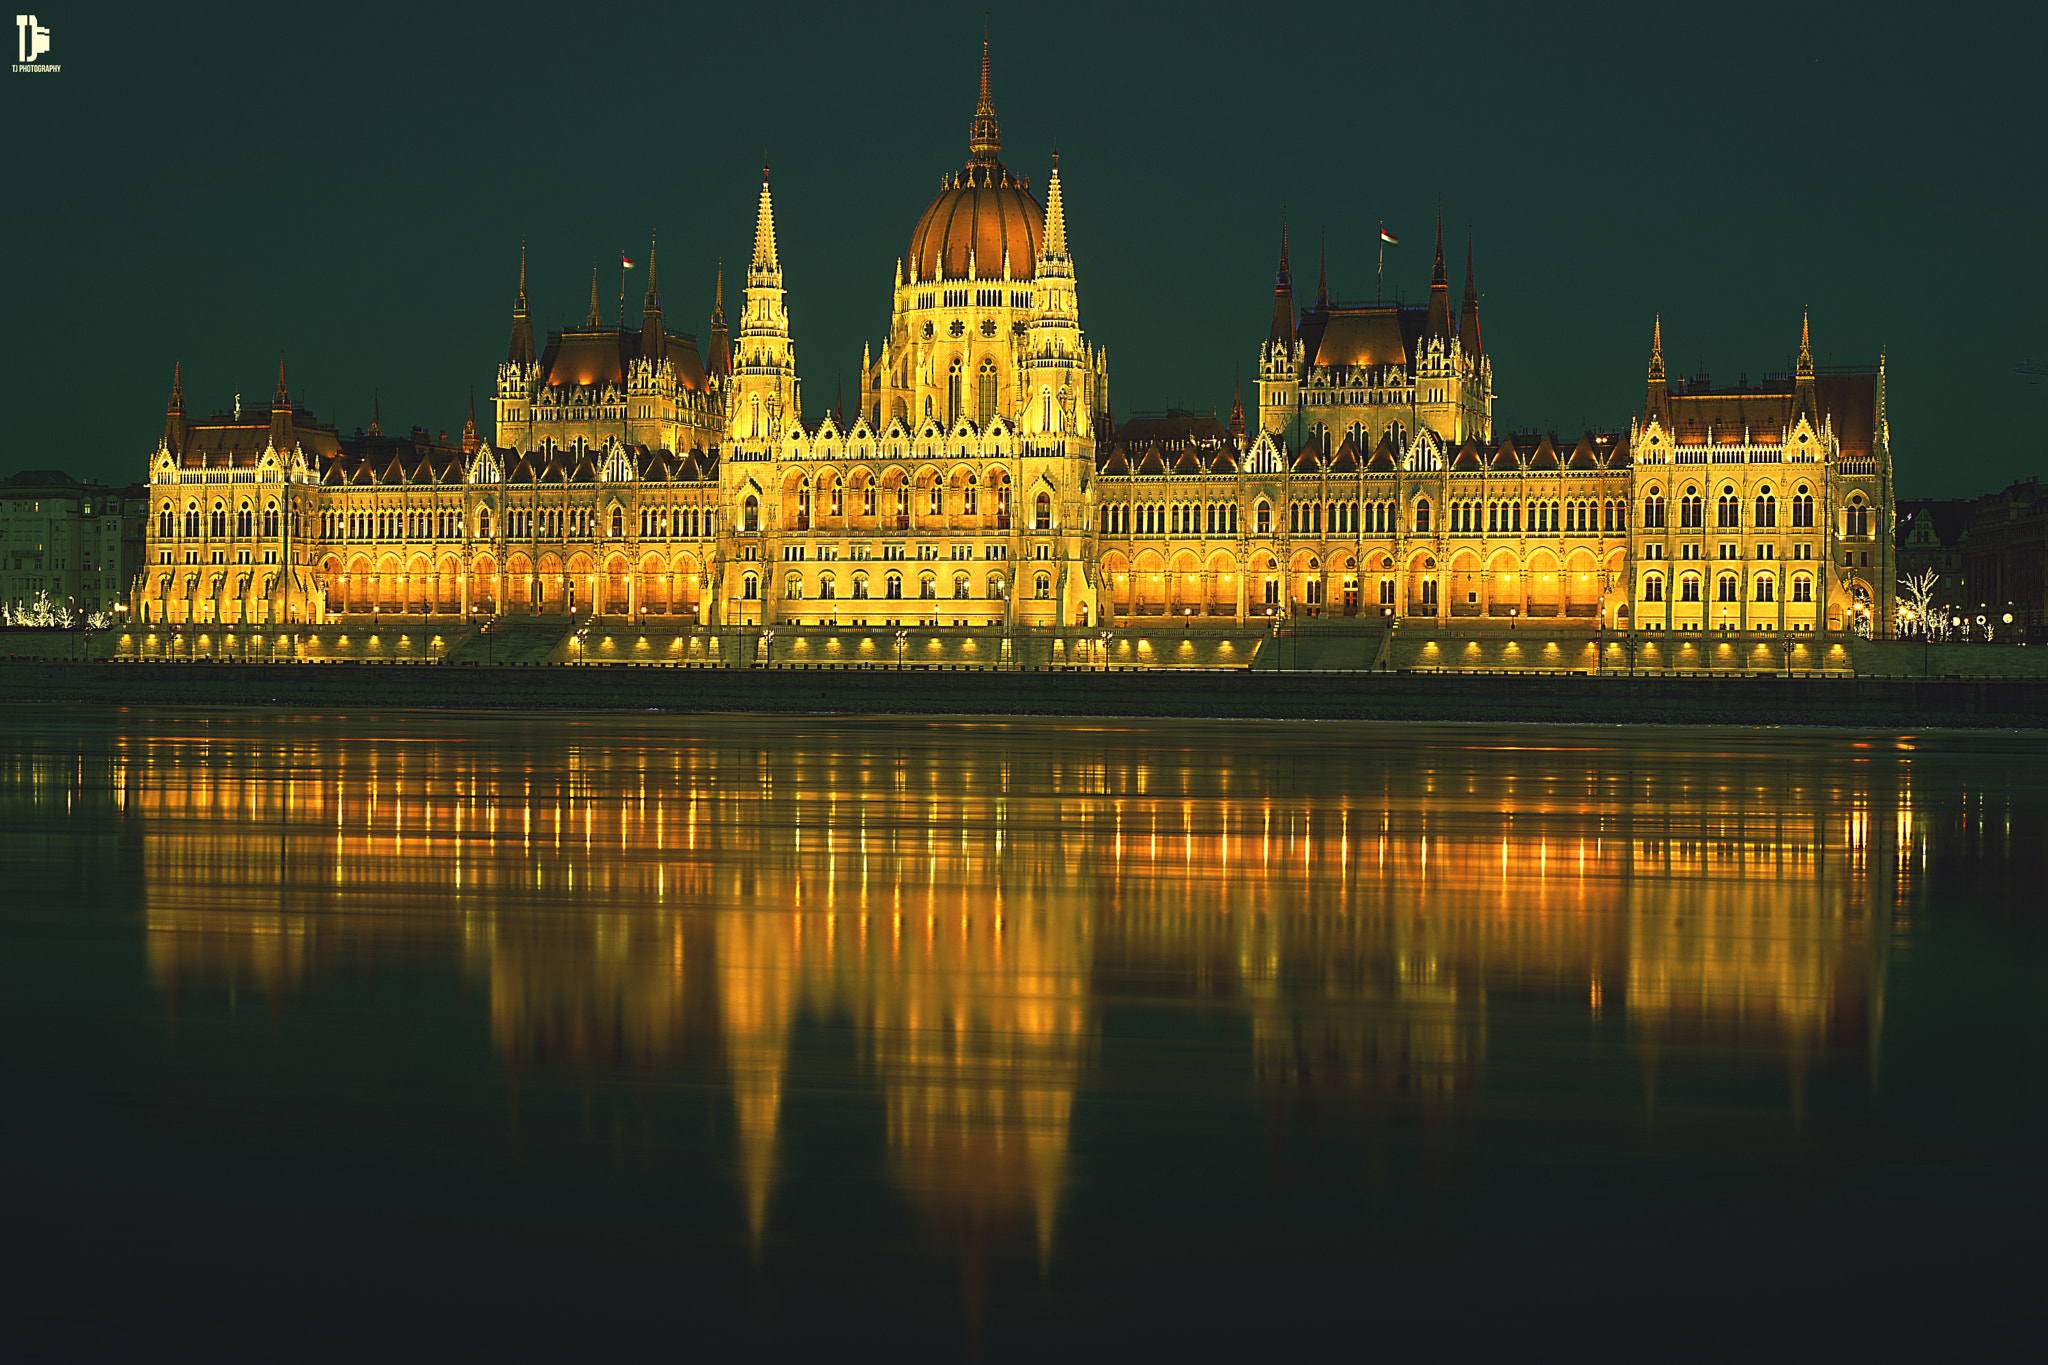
633,480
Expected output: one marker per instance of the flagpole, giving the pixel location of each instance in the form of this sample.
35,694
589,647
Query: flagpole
622,290
1380,278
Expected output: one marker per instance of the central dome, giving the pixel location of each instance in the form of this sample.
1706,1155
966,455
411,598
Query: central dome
981,212
979,215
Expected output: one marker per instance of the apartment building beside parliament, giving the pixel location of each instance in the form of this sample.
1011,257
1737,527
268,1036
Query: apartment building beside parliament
975,480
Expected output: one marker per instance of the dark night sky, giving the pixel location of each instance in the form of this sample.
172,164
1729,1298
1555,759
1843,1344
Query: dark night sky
348,187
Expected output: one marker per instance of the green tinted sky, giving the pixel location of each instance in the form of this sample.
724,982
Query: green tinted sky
347,186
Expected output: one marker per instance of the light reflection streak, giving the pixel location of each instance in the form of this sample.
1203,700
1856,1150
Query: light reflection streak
735,879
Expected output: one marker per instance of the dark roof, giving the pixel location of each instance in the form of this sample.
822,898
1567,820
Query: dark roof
586,356
1362,335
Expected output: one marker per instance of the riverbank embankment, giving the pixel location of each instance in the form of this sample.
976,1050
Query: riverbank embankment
1761,699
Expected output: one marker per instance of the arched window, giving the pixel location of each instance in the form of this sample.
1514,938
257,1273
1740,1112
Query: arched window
1653,587
860,587
893,587
1802,508
1766,588
1766,508
938,499
270,519
985,399
995,587
827,589
1802,588
750,513
953,392
1041,512
1689,588
838,500
217,521
968,503
793,587
757,417
1724,588
1043,588
1422,517
165,522
1264,517
960,587
750,588
1691,509
618,522
1728,511
928,587
483,523
245,522
1858,518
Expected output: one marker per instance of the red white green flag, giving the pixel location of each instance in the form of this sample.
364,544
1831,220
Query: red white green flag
1389,238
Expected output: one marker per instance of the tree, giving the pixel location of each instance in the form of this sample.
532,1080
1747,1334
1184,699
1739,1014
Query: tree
1919,590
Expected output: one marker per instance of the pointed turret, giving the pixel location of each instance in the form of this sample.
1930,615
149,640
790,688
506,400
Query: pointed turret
1439,289
596,318
174,414
521,350
471,440
377,415
765,257
1236,409
1323,273
1468,316
1658,403
1805,399
1282,331
653,340
282,436
1053,245
721,340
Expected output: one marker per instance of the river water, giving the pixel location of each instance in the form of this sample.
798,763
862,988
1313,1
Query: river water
558,1035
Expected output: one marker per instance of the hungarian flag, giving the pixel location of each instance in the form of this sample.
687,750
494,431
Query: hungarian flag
625,261
1389,238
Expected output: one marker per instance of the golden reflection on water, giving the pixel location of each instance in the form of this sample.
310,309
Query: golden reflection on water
964,896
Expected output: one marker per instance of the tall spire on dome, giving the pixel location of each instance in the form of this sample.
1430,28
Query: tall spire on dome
521,350
1468,316
596,319
764,228
1804,402
984,139
1657,401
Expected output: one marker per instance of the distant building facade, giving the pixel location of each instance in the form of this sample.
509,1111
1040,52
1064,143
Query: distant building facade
75,547
976,478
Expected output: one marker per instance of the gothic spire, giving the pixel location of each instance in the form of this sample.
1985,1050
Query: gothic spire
1323,273
1805,346
470,439
520,352
1657,350
376,412
1282,330
177,386
984,140
653,293
721,347
281,399
764,228
1468,316
596,319
1440,288
653,337
1054,242
174,415
1237,407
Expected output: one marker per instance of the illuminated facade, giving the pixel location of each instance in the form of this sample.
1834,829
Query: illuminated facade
975,482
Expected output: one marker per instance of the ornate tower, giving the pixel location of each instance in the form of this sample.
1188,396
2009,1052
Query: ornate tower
765,397
1280,357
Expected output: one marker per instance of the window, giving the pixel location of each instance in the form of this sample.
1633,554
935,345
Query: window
165,521
892,587
1802,507
750,514
928,587
1766,507
827,589
750,588
1041,513
985,396
217,522
1690,510
1422,517
1386,592
1728,511
1859,518
1766,588
1724,588
793,587
245,522
1802,588
1653,587
1264,517
960,587
1042,588
270,519
1689,588
953,393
